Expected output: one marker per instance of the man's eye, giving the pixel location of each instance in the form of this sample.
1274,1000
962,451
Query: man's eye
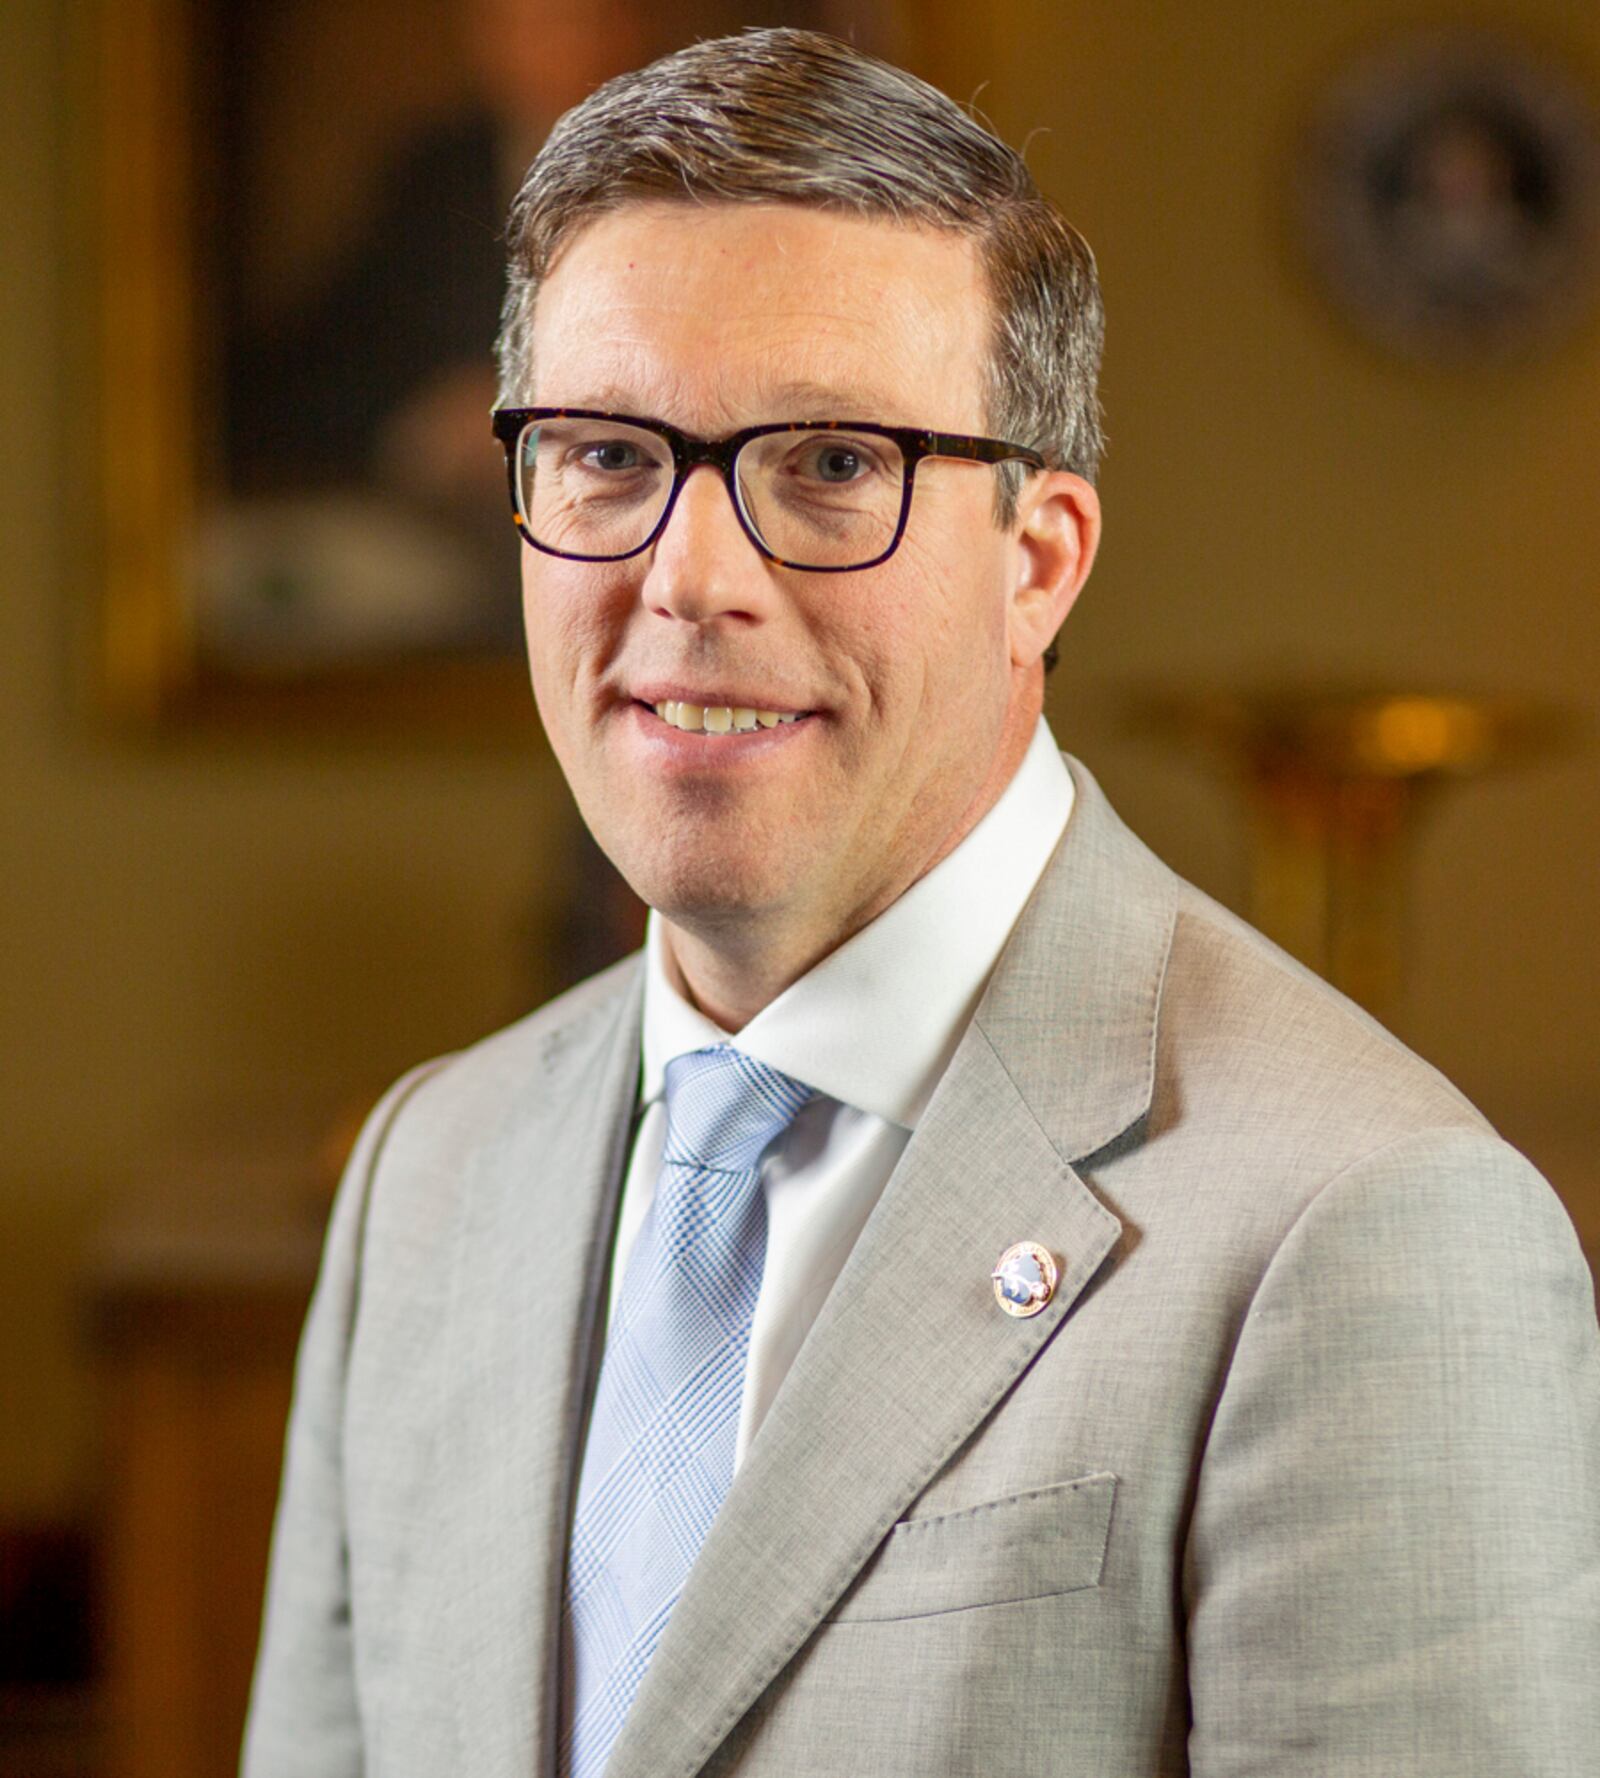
610,455
837,465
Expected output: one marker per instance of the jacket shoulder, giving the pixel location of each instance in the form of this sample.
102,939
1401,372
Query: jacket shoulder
475,1090
1253,1037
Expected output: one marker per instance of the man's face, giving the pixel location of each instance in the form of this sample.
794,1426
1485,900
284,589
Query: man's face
713,319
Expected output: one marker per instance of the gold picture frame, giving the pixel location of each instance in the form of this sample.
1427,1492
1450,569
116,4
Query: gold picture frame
155,667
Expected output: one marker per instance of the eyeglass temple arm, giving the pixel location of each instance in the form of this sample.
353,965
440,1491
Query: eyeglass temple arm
978,450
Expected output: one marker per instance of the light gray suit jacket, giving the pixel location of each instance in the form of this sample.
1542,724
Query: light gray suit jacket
1299,1472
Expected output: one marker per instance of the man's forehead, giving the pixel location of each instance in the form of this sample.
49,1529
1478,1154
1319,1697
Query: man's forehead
790,312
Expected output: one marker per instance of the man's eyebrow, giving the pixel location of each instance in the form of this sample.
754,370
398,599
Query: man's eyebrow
806,400
612,398
799,399
608,398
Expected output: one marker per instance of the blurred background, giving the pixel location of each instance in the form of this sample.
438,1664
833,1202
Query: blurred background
276,818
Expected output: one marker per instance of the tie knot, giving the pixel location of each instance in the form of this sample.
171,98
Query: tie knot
724,1107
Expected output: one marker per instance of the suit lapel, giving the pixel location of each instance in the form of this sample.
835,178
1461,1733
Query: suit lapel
910,1352
527,1291
1073,1005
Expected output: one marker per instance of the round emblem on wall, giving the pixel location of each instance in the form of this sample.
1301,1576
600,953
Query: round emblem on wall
1449,196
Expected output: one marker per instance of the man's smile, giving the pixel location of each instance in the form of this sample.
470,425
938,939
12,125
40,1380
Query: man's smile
700,730
721,719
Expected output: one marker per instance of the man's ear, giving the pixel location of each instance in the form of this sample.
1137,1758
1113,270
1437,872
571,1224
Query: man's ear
1058,532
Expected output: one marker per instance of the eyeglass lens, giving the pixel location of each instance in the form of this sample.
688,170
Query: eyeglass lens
816,498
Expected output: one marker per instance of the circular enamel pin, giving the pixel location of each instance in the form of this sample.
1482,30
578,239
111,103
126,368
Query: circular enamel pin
1024,1278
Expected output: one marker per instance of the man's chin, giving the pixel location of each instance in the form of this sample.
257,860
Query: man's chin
709,902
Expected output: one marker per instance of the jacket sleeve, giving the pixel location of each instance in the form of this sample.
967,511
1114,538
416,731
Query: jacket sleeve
304,1719
1393,1563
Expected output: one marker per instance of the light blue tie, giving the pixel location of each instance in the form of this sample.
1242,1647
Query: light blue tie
666,1412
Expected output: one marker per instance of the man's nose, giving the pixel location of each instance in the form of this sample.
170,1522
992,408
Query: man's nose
703,566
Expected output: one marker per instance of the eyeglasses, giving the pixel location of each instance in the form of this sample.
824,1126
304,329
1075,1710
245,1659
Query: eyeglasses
828,496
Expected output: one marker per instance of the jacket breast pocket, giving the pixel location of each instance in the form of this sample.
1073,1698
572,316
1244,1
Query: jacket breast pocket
1025,1546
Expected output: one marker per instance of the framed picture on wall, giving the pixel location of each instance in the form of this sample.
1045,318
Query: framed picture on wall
300,212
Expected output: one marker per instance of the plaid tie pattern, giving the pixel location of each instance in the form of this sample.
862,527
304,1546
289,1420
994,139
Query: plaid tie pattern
666,1413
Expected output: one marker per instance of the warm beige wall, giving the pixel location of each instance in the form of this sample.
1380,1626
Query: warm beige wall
192,934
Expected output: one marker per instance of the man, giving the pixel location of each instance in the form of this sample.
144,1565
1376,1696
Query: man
961,1301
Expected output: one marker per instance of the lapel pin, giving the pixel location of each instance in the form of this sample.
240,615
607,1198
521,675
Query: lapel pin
1024,1278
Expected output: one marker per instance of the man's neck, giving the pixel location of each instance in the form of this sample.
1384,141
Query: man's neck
731,982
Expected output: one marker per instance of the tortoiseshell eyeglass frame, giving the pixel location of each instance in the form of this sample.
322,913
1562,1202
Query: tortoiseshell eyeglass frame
690,453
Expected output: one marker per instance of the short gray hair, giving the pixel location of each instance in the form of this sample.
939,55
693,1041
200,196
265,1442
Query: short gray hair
790,116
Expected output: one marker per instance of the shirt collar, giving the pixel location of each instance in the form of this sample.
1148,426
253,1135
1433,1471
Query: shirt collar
872,1025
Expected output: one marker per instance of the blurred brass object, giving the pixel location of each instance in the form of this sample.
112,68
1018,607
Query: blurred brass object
1333,781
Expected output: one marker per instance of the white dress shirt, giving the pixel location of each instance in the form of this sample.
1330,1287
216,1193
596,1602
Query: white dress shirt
872,1028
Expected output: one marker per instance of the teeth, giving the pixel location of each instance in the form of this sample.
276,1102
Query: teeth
721,719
